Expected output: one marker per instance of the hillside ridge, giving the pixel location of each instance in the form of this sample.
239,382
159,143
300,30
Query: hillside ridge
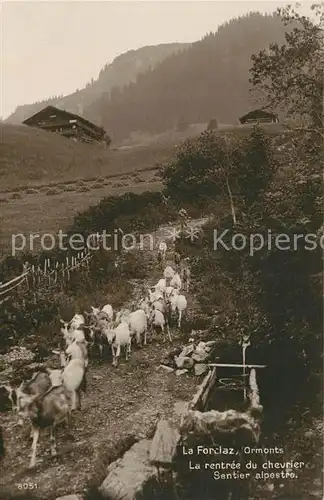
121,71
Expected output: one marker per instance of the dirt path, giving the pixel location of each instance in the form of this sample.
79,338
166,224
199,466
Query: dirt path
120,405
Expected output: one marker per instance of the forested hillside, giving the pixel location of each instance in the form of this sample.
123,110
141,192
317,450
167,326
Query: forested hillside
158,88
119,73
209,78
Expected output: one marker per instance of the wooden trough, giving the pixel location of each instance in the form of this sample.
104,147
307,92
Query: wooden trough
149,468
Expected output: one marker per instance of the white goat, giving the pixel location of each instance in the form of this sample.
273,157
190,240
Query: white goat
178,304
107,310
158,320
161,285
168,272
78,350
119,337
144,305
66,332
55,376
73,378
77,321
157,295
176,281
168,291
122,315
137,322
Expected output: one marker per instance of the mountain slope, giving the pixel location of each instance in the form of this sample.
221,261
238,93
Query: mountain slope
209,78
123,70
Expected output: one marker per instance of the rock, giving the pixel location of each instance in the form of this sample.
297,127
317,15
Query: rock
200,355
200,368
184,362
180,372
166,368
187,350
164,443
132,475
167,362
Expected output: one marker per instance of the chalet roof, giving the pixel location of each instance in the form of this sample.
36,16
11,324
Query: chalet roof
48,110
257,113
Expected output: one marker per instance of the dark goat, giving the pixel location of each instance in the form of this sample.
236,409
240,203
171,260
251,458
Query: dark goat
46,410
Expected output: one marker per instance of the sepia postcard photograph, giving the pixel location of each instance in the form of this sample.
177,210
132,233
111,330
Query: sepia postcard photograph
161,250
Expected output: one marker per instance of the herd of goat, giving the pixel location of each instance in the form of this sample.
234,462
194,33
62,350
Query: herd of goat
48,398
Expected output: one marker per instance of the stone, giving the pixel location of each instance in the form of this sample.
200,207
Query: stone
181,372
164,443
129,477
200,368
166,368
187,350
184,362
200,355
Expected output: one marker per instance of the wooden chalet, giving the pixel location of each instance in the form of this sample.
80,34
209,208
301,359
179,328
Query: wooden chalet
67,124
259,116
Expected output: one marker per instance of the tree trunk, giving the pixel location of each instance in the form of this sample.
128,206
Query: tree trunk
231,201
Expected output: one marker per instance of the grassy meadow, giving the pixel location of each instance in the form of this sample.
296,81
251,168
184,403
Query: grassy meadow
46,180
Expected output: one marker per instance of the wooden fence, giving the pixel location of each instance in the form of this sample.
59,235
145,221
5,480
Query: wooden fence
50,273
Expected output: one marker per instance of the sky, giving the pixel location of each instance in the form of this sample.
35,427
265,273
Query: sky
52,48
